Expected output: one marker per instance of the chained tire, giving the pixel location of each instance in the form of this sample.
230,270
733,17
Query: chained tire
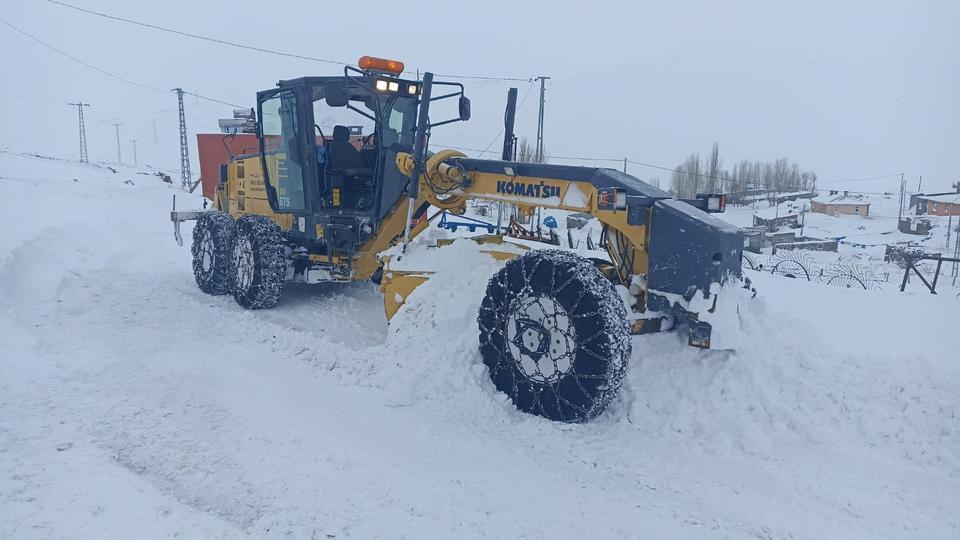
212,249
554,335
259,264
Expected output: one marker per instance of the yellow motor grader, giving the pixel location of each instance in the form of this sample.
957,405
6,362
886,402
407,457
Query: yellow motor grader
323,201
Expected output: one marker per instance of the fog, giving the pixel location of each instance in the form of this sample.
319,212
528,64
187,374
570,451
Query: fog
849,90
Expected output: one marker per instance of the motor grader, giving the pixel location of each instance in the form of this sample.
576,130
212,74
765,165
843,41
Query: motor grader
323,201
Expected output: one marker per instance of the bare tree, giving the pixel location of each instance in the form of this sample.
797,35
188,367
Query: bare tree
527,153
687,180
711,182
692,177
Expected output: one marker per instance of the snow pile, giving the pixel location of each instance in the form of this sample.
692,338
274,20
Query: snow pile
131,404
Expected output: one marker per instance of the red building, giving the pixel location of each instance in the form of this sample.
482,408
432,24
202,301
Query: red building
215,149
944,204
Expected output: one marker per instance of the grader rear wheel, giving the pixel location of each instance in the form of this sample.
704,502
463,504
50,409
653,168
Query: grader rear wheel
554,335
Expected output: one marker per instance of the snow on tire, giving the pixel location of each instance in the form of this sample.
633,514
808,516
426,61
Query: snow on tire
212,249
259,265
554,335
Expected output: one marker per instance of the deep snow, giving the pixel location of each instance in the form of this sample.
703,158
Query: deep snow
133,405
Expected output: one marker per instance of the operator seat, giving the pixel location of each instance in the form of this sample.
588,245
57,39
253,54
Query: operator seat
342,155
348,170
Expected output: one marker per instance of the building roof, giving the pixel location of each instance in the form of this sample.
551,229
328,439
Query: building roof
842,198
953,198
797,194
783,210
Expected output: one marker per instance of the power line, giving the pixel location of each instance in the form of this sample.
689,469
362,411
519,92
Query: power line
324,60
227,103
195,36
520,106
864,179
662,168
79,61
255,48
634,162
107,73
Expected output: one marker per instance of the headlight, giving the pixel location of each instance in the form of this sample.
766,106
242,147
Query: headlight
381,85
394,86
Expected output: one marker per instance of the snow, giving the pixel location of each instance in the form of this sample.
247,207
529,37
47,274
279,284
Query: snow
840,198
953,198
707,218
574,197
782,210
133,405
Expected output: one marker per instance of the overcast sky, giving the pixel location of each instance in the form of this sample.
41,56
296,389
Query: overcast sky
847,89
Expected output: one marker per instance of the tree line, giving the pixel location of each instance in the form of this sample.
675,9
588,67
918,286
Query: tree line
695,175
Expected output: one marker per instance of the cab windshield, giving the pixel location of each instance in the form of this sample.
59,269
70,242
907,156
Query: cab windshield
397,118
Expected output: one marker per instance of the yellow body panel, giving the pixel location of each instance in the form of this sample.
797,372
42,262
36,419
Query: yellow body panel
245,192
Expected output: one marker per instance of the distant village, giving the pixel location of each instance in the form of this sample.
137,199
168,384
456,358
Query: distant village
778,217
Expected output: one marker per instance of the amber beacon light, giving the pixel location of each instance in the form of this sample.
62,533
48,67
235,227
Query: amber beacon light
372,63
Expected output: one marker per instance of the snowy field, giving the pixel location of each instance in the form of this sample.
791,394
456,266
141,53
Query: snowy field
132,405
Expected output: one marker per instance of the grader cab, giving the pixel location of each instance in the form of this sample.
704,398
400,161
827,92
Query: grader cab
344,181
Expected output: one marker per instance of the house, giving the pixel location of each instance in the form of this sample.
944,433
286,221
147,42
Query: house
773,223
781,215
937,204
793,196
837,203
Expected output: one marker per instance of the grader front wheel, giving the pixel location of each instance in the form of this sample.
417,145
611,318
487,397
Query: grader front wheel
259,266
554,335
213,238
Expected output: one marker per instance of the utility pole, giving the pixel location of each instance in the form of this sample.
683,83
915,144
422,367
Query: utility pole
624,165
900,213
83,131
543,91
185,177
134,141
919,184
956,255
116,124
949,228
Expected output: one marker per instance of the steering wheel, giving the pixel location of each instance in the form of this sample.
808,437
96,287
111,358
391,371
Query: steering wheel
366,141
322,136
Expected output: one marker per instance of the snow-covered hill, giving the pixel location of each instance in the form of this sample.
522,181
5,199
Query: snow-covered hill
133,405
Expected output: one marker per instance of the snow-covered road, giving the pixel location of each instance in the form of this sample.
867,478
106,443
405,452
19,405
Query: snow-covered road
133,405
